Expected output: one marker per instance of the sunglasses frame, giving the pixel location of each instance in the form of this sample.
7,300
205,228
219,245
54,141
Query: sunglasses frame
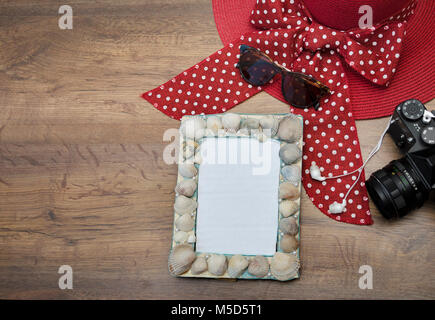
281,69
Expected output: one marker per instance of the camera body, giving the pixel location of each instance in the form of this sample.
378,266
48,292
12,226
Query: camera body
412,127
405,184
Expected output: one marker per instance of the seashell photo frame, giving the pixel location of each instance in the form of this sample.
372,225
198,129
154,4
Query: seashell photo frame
286,130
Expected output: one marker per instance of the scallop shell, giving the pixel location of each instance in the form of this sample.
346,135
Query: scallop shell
185,223
188,152
210,132
180,259
186,187
198,158
289,225
214,123
191,238
181,236
191,143
199,266
231,121
261,136
259,266
243,132
217,264
193,128
290,153
269,123
288,243
288,190
187,170
288,207
292,173
184,205
199,134
251,124
189,149
290,129
237,265
284,266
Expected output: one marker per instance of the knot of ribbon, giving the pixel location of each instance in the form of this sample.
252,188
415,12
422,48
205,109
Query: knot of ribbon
291,37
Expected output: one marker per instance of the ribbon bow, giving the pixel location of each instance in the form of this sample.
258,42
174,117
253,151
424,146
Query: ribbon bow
290,36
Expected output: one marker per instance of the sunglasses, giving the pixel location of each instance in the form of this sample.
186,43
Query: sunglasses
298,89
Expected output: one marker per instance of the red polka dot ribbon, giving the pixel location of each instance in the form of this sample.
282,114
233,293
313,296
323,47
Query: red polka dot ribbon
288,34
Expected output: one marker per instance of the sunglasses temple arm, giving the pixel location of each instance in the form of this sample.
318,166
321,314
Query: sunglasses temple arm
282,67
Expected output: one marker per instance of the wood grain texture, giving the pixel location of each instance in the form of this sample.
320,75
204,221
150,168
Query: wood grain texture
83,181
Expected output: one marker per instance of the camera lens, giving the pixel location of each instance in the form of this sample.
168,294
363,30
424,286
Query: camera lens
397,189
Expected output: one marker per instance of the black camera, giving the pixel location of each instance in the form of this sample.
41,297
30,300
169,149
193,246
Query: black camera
405,184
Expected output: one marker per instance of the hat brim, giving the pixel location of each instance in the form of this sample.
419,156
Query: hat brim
415,73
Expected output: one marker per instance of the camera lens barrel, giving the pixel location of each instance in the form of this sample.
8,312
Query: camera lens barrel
397,189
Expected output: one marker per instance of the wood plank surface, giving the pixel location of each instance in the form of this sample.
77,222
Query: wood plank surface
83,181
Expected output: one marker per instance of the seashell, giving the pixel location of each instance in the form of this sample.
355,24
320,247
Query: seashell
289,225
180,236
191,238
189,149
188,152
199,134
292,173
251,124
259,266
290,129
210,132
231,121
180,259
198,158
186,187
288,207
222,133
237,265
199,265
284,266
217,264
243,132
214,124
193,128
184,205
191,143
288,243
288,190
185,223
269,123
261,136
289,153
187,170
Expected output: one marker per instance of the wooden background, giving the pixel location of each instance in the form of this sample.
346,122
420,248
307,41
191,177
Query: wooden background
83,182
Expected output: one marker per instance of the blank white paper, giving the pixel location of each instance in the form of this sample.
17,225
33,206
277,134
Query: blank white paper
238,196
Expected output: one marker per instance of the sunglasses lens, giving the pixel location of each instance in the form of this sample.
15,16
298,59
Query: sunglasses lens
300,91
256,68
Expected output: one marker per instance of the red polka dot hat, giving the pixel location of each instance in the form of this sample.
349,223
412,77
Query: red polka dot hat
414,73
368,71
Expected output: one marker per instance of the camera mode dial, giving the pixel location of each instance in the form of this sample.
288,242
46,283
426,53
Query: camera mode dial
413,109
428,135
